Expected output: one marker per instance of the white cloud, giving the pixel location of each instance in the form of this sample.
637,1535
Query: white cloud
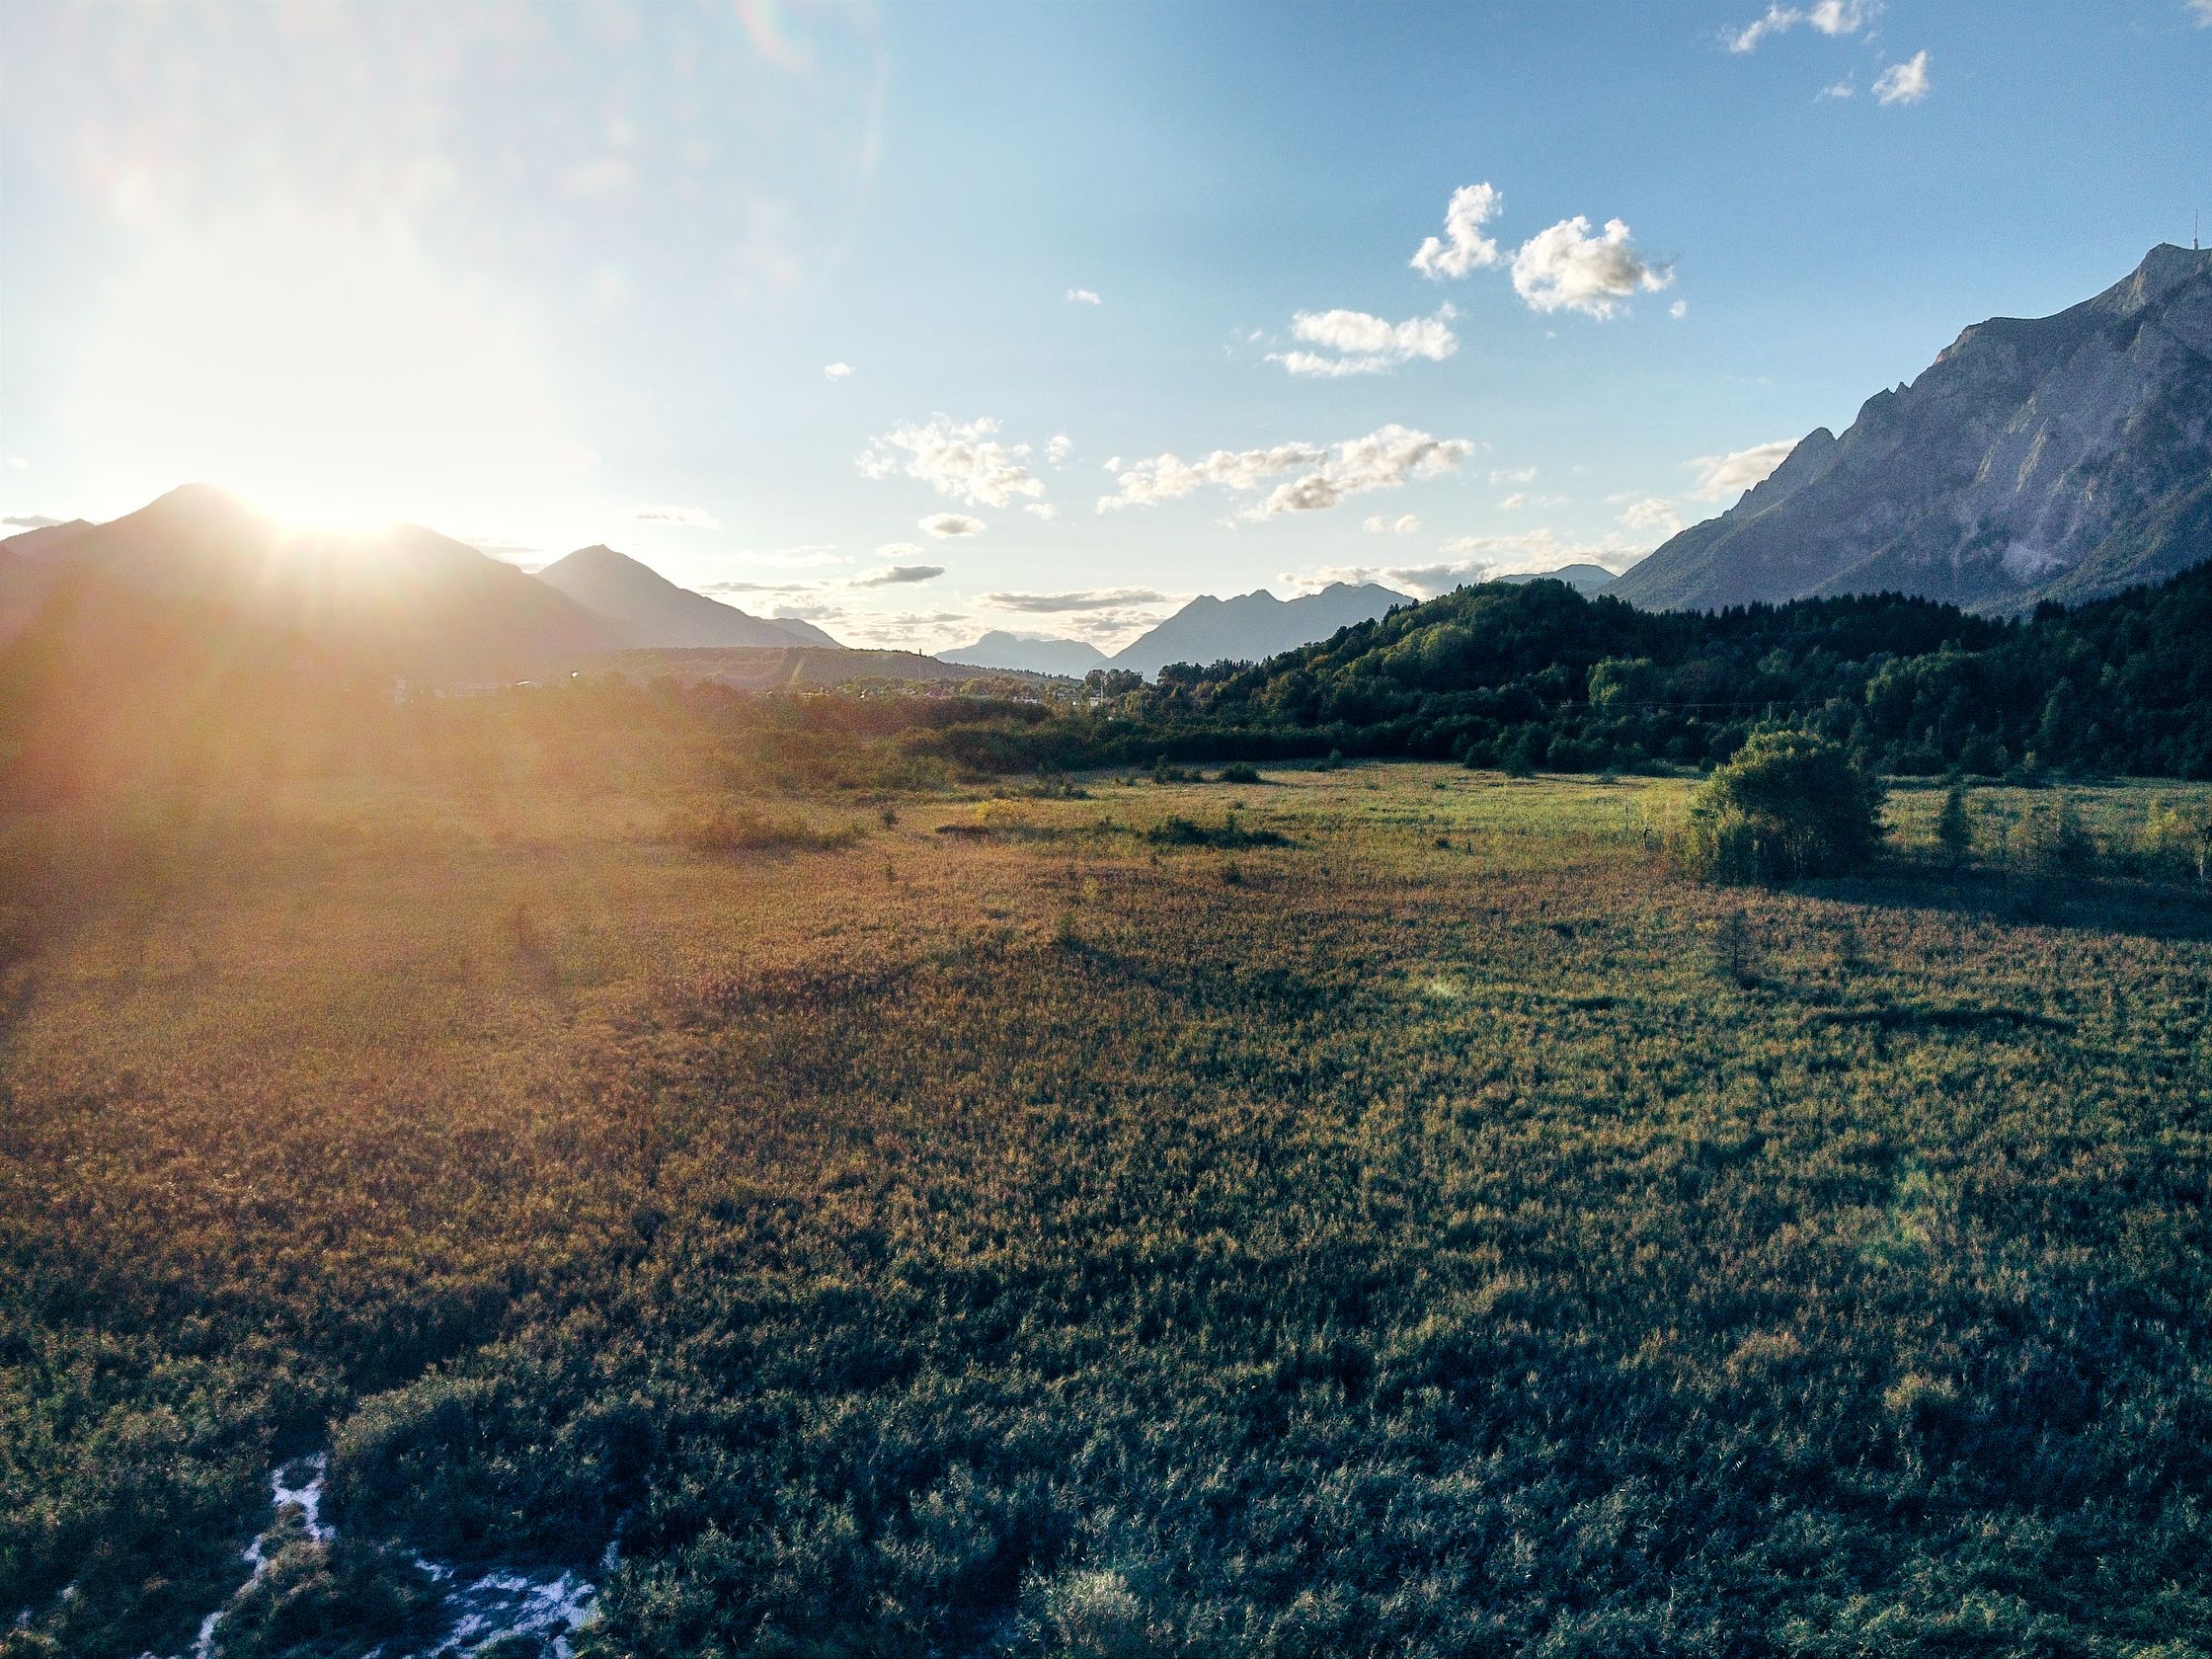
900,576
1903,83
1567,269
838,370
2200,12
1383,460
1365,345
760,587
1042,509
1829,16
1654,512
1724,477
1060,448
1381,524
29,522
943,524
1512,475
1170,478
1060,604
956,458
20,464
1470,207
690,517
1083,296
1848,87
1678,309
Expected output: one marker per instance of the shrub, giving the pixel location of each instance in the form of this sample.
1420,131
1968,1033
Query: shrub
1183,832
1238,771
1789,804
719,829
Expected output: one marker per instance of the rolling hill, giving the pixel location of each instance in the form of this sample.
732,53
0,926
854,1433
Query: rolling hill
656,613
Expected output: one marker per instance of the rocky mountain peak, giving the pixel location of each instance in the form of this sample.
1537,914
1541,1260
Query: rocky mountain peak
2053,457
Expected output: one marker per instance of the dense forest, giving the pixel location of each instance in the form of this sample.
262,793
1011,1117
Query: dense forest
1538,678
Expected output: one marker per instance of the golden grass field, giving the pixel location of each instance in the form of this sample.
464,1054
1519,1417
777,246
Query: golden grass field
987,1226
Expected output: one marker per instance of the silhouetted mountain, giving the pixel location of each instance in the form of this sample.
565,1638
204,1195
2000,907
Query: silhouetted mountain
1031,653
656,613
1253,626
29,564
1583,579
2062,457
399,601
44,540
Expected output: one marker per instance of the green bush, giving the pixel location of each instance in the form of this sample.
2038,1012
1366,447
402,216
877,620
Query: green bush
1789,804
2053,841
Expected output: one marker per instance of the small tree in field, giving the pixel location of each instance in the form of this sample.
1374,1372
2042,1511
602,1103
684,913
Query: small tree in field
1954,829
1790,803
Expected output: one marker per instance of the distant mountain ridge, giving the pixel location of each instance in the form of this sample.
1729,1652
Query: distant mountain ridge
1583,579
2061,457
1254,626
1029,653
656,613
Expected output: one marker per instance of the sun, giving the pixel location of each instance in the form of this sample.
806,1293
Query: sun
332,375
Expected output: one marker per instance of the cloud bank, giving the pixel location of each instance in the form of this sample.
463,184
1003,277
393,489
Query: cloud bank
1364,345
1383,460
1086,599
956,458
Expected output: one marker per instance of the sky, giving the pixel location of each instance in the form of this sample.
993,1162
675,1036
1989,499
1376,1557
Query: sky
928,319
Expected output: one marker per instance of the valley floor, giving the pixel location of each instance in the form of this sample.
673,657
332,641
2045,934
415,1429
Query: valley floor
1380,1210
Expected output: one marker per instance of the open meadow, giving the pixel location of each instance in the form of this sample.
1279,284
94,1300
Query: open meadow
1366,1210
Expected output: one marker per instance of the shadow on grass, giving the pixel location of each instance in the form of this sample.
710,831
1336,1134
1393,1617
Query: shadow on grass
2093,902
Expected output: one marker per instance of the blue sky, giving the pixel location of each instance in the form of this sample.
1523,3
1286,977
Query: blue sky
543,278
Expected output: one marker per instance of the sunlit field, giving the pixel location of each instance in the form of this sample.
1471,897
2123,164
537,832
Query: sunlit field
1367,1210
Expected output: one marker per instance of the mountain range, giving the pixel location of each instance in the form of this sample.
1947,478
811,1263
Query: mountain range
1244,629
399,599
1029,653
2061,457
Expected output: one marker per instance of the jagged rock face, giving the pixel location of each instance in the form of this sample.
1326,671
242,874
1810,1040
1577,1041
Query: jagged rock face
2061,457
